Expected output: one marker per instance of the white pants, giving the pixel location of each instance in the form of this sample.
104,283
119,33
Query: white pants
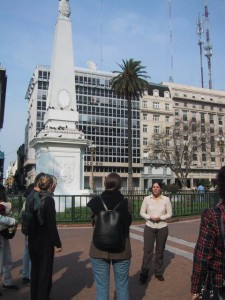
5,261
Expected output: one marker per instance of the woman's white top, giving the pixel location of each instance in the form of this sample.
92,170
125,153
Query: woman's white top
156,207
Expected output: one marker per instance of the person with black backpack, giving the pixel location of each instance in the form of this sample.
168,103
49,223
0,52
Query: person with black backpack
111,218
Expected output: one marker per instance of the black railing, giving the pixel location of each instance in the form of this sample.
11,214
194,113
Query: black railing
73,209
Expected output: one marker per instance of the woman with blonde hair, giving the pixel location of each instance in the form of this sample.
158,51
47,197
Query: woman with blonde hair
42,245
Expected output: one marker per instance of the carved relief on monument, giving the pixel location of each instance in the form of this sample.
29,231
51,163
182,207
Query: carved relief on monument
63,170
64,8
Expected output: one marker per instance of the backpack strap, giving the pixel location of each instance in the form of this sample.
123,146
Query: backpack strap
115,208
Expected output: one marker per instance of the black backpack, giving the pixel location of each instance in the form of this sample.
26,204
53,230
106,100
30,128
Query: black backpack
29,222
108,232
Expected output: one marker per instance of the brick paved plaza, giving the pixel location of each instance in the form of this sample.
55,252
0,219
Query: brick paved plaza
73,278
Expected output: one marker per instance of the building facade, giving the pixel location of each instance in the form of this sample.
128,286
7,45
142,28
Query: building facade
160,110
103,120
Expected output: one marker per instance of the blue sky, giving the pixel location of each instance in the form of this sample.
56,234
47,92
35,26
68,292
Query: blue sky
105,31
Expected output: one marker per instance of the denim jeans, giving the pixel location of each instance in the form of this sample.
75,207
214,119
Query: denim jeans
6,261
26,267
101,271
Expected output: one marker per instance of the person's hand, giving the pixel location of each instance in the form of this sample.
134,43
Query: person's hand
155,219
14,228
195,297
58,250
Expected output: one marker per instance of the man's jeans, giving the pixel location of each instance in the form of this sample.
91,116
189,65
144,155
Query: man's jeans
101,271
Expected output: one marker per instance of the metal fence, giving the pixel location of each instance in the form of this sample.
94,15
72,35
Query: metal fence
73,209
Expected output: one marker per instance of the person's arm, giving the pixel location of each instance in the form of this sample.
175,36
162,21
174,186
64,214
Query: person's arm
143,210
8,221
168,211
203,252
50,217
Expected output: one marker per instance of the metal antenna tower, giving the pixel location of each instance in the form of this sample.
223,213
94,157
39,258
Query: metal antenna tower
171,40
200,30
101,59
208,46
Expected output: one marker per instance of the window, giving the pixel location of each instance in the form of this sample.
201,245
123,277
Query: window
220,120
145,154
156,118
176,104
156,155
166,94
167,106
194,156
156,129
184,115
144,103
145,128
145,116
145,142
211,119
156,93
203,157
167,143
176,112
202,117
155,105
167,118
185,104
193,116
167,130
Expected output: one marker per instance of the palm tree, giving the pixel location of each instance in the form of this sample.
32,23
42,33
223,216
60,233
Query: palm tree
129,83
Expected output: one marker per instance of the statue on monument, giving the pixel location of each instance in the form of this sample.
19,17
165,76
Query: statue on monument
64,8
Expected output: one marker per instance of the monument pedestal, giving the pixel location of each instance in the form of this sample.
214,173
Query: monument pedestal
61,153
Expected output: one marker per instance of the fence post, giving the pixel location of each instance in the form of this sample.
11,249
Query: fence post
73,210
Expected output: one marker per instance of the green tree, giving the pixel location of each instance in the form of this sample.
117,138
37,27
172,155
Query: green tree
130,83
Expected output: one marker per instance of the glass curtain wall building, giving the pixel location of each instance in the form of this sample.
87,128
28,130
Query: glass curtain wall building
102,118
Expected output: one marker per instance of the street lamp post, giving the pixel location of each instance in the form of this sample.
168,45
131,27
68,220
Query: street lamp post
220,143
92,151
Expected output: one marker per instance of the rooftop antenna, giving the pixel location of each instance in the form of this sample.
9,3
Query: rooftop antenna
171,40
101,59
208,46
200,30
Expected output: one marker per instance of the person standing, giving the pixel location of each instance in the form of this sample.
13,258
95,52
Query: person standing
42,246
155,209
5,249
208,253
28,194
26,264
120,260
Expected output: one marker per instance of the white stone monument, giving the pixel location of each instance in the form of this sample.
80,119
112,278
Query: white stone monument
60,146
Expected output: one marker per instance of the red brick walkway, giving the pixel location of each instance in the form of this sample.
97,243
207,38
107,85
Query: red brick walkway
73,278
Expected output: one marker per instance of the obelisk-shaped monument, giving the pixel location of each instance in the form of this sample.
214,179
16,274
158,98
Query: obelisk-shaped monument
60,146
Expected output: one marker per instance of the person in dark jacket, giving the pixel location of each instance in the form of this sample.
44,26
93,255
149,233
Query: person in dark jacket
208,253
42,246
101,260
